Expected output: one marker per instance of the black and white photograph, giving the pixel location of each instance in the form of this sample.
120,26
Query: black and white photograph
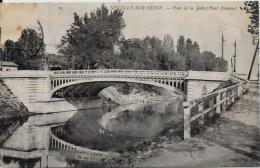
128,84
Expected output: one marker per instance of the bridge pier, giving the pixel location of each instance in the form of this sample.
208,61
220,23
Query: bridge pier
44,161
218,108
233,95
187,118
1,160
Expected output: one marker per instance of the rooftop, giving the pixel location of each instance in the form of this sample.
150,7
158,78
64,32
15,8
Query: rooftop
8,63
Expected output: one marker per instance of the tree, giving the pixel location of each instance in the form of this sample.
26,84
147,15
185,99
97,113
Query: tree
12,51
31,43
27,52
181,45
31,50
220,65
252,8
90,40
209,60
177,63
197,63
188,53
9,50
168,44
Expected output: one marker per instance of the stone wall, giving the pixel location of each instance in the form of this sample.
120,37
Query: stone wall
29,90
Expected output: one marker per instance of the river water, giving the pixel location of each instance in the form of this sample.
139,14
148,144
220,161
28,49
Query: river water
105,128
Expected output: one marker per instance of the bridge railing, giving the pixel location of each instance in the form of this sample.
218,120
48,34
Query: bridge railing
23,154
210,104
236,77
122,72
78,152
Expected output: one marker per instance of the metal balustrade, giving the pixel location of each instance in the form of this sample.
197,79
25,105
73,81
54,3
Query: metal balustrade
77,152
214,102
171,80
124,72
236,77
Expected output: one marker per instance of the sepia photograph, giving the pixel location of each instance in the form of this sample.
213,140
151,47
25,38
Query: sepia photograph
129,84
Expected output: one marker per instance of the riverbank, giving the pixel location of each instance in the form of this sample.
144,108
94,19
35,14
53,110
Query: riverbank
130,94
232,141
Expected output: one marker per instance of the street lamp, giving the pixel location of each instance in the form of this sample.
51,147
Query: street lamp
1,63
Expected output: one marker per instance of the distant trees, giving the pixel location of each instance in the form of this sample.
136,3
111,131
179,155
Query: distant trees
147,53
189,56
12,50
153,53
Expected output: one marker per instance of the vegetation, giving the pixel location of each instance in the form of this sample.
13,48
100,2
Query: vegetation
27,51
96,41
90,39
252,8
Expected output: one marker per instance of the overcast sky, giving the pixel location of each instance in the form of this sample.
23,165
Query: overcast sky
204,26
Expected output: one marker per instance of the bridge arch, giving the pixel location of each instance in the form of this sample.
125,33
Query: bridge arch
165,85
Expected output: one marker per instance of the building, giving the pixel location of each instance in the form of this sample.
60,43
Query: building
9,66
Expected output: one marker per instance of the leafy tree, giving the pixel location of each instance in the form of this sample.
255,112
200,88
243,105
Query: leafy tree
197,63
9,50
27,52
147,53
220,65
188,53
209,60
181,45
90,40
168,44
31,43
177,62
252,8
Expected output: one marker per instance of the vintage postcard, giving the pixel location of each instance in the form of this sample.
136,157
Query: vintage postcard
129,84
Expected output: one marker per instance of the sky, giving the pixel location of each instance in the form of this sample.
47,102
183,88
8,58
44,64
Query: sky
204,26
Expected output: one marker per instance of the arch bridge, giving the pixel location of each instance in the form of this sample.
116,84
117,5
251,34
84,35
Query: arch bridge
173,81
32,86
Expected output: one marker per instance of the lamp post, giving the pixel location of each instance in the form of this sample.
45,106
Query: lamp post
1,52
1,63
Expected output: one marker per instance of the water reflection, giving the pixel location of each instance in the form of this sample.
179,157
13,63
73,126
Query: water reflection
28,144
105,128
108,128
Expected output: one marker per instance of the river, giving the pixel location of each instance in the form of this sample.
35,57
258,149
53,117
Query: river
111,128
